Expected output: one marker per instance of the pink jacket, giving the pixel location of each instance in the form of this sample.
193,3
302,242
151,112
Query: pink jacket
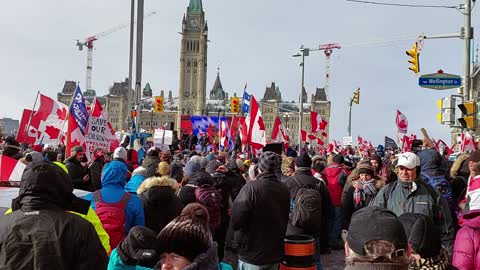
332,174
466,252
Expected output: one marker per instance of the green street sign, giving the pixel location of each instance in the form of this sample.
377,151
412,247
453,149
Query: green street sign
440,81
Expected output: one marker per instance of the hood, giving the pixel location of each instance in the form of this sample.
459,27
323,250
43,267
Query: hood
164,181
431,162
149,160
472,219
133,156
114,174
201,178
140,171
205,261
457,166
176,171
45,185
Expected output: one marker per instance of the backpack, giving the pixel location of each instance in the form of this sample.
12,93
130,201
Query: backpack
211,198
307,208
440,183
112,216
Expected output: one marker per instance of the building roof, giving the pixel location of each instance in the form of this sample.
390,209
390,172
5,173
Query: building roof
147,90
272,93
195,6
217,92
119,88
69,87
320,95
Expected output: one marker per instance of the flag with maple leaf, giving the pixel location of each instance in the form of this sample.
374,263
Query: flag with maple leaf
10,169
255,125
22,130
401,122
48,122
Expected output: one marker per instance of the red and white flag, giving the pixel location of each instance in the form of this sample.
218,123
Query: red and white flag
467,143
401,122
223,130
303,133
278,132
256,126
48,122
10,169
22,135
317,122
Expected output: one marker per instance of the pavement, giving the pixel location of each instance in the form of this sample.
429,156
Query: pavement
332,261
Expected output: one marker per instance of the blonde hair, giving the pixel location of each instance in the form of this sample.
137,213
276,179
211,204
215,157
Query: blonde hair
378,251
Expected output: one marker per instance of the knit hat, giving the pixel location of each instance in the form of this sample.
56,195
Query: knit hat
120,153
97,153
270,162
316,157
203,163
191,168
375,223
188,235
212,166
210,157
139,247
163,168
240,164
304,161
422,235
338,158
365,168
166,156
318,167
37,148
77,150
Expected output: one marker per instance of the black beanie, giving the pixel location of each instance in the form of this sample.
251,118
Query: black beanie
338,158
422,235
303,160
188,235
139,247
270,162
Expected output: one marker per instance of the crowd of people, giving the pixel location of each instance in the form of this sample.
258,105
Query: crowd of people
184,209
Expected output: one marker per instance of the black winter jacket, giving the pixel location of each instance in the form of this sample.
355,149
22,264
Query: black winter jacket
187,192
77,172
96,174
260,212
161,206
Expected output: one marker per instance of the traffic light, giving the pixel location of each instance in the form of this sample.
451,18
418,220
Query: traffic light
415,61
356,96
234,105
446,116
469,110
158,106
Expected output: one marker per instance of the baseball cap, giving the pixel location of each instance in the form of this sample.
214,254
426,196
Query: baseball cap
375,223
408,160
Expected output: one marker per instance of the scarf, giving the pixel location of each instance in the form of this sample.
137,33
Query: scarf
363,188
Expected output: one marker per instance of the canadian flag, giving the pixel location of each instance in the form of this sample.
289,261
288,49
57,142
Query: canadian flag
303,133
467,143
22,135
317,122
48,122
278,132
224,134
256,126
401,122
10,169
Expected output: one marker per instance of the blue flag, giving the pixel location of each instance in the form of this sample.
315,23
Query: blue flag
78,110
246,102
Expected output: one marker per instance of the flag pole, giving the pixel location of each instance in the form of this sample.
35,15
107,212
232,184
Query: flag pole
31,115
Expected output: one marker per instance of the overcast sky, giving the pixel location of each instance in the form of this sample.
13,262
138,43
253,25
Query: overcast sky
253,42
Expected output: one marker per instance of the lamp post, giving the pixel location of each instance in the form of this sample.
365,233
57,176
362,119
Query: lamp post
303,52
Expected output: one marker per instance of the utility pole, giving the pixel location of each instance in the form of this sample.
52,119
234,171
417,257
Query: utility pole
138,68
305,52
130,62
349,128
467,91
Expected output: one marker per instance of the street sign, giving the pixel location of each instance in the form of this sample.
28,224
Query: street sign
440,81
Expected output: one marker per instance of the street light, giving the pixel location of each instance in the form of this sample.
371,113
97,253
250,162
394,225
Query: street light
303,52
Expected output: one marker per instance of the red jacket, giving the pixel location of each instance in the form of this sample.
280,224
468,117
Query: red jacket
466,252
333,173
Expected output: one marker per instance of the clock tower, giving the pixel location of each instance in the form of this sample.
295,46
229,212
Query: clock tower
193,61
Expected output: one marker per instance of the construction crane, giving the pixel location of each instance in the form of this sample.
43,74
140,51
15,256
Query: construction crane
328,50
88,42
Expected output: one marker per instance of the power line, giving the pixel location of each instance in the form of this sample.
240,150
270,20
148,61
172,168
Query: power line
401,5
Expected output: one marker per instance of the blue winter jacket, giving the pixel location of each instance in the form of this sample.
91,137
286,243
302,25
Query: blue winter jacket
116,263
114,178
134,183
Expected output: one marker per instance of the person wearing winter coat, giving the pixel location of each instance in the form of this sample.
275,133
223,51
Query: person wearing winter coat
132,161
424,242
336,177
138,251
303,177
186,242
160,202
78,173
150,162
40,233
466,251
96,169
260,205
411,194
194,177
114,178
362,191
